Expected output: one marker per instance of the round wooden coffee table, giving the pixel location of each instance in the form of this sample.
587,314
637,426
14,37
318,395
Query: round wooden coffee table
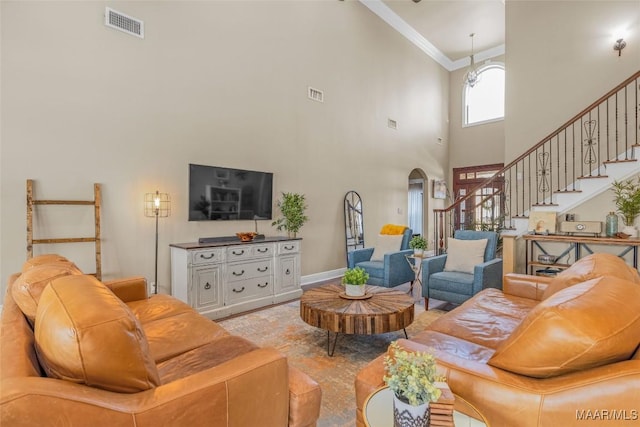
384,310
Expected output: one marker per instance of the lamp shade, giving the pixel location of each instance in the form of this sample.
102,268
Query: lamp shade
157,204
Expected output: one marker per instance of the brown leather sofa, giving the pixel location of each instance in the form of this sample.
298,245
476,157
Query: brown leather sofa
560,351
79,352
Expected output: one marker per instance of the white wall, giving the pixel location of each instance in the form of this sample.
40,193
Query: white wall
559,60
481,144
220,83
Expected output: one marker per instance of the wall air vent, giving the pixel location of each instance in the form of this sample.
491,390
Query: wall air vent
122,22
315,94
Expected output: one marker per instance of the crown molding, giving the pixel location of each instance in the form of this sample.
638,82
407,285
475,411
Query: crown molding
400,25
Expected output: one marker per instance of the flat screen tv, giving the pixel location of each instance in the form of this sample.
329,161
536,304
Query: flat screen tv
219,194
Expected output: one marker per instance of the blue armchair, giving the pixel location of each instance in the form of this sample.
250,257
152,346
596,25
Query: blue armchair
392,271
456,286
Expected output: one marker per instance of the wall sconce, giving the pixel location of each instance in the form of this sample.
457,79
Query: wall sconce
157,205
619,45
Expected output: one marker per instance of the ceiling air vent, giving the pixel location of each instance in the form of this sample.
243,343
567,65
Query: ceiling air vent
392,124
122,22
315,94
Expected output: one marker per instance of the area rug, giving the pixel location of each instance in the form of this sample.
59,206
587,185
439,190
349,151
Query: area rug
306,349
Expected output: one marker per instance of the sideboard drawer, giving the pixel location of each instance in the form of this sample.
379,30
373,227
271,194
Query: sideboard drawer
239,252
256,287
262,250
248,270
207,256
290,247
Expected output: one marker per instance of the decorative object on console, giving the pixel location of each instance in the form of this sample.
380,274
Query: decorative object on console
412,377
627,199
542,222
157,205
547,259
247,236
354,281
292,206
612,224
418,244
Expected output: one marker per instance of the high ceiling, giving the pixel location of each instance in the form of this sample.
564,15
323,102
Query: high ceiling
445,26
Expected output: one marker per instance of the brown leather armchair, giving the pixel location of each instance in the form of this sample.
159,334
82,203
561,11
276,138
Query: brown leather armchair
542,352
76,351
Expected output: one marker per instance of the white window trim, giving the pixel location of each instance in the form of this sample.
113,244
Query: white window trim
488,64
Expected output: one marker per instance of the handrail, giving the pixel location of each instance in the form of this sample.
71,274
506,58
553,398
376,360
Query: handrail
549,149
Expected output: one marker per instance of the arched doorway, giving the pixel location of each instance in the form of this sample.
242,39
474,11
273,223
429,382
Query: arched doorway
418,202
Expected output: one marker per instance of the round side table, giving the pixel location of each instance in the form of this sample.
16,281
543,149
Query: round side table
378,411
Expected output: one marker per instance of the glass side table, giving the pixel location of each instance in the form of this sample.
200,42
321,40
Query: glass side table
378,411
415,262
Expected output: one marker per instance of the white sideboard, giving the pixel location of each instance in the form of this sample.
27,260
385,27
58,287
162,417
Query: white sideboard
228,276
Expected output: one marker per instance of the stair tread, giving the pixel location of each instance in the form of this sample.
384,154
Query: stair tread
593,176
607,162
568,191
544,204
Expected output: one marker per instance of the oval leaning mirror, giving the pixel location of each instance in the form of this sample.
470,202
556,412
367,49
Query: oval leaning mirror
353,221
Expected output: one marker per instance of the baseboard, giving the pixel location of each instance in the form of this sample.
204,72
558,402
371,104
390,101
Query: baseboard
321,277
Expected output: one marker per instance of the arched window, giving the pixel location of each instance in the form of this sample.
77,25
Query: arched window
484,102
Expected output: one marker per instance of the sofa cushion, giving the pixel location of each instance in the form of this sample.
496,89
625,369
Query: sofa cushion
590,324
86,335
386,243
174,335
590,267
464,255
487,319
28,287
204,357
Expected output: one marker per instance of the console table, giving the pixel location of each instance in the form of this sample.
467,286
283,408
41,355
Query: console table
226,277
576,245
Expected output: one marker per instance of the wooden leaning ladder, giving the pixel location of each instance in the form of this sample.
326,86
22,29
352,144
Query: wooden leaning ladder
96,203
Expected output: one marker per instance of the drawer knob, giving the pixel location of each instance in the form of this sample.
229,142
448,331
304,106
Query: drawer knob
262,270
207,286
263,286
237,274
238,291
263,250
289,247
207,257
287,271
238,253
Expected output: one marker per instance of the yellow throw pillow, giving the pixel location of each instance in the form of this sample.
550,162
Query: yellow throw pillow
464,255
393,229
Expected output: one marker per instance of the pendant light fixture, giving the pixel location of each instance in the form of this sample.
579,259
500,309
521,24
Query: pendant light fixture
471,77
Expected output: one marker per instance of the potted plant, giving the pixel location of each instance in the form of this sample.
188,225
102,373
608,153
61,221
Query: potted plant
292,206
627,199
354,281
412,378
418,244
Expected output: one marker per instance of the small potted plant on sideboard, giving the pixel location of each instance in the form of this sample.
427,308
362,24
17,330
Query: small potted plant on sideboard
292,206
354,281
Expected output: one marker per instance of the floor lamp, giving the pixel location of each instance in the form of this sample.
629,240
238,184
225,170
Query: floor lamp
157,205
